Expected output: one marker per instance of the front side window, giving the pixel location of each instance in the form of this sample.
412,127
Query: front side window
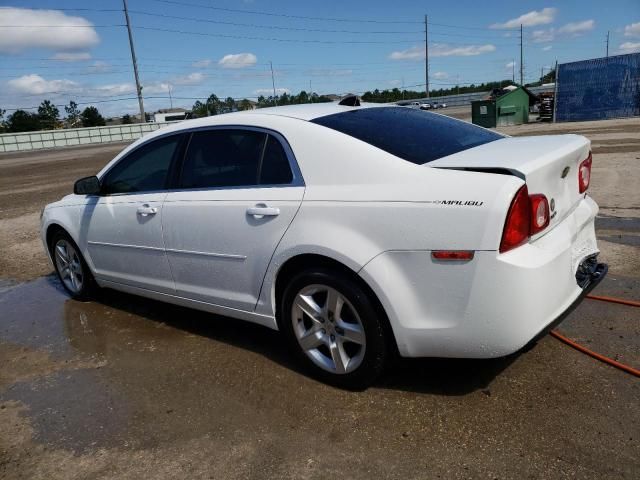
234,158
143,170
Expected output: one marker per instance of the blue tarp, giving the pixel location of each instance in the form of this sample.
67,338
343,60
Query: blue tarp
599,89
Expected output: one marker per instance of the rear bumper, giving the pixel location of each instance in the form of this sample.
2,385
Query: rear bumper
588,279
492,305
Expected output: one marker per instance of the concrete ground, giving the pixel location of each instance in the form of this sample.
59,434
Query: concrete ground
123,387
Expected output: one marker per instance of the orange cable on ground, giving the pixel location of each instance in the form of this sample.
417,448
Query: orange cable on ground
597,356
621,301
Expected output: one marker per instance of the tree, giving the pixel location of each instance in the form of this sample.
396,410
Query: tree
91,117
213,104
21,121
48,114
199,109
2,123
245,105
126,119
73,114
229,104
549,77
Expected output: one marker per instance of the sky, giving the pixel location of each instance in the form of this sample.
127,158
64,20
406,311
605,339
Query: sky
77,50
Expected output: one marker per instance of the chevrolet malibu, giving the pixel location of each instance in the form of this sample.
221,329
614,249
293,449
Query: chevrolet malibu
358,231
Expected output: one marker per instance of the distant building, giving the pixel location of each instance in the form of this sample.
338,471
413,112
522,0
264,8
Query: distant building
171,114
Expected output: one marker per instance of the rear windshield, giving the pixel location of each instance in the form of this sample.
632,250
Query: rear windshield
413,135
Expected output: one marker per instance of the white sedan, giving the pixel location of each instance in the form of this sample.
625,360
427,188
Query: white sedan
358,231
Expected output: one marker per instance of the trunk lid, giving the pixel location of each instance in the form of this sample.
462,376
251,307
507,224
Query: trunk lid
548,164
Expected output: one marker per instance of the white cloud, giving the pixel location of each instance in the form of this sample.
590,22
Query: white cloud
543,36
577,28
35,85
546,48
573,29
115,89
268,92
60,37
530,19
202,63
630,47
442,50
72,56
440,75
238,60
510,65
632,30
194,78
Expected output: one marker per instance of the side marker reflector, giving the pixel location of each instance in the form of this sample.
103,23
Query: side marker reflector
452,254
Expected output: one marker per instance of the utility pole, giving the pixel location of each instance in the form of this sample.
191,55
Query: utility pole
310,91
170,99
426,54
521,60
135,63
607,43
513,70
273,82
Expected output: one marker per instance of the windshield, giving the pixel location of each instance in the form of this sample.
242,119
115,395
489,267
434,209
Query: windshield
413,135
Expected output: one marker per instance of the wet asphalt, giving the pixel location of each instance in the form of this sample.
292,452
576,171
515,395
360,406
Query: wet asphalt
124,387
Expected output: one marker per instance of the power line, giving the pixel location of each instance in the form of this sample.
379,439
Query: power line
270,27
284,15
263,39
64,26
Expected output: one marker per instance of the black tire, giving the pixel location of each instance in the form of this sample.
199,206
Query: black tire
376,351
88,285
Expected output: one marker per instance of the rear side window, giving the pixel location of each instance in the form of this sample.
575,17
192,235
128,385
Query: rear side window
143,170
275,169
222,158
413,135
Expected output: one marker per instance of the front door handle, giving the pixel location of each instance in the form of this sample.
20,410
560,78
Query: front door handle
145,210
262,210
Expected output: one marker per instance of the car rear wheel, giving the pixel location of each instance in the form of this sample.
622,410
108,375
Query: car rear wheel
334,328
72,270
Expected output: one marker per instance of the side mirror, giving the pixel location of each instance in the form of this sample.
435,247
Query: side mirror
87,186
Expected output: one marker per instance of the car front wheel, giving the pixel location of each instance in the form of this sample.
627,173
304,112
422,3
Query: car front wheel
71,268
333,326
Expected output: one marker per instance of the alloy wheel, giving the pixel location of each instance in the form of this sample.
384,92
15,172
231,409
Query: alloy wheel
69,265
328,329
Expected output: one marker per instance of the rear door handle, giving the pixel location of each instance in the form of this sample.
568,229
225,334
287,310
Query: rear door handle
262,210
145,210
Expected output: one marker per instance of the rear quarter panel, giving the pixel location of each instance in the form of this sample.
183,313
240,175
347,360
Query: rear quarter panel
360,202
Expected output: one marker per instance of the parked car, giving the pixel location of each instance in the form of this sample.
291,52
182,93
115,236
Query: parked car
425,106
443,105
356,231
414,105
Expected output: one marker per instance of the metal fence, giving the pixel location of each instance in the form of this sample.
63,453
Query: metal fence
18,142
466,98
599,89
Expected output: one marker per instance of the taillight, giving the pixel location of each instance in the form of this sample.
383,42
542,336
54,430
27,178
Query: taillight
539,213
518,223
584,174
528,215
